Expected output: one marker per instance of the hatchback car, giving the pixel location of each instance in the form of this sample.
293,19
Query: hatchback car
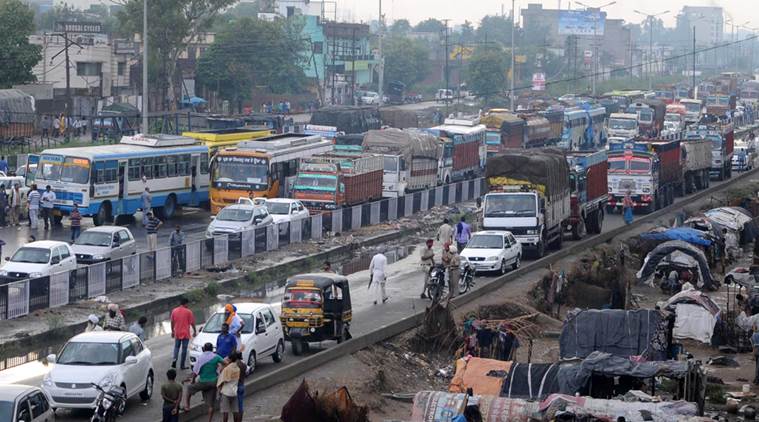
234,219
104,243
285,210
261,336
24,403
105,358
38,259
493,251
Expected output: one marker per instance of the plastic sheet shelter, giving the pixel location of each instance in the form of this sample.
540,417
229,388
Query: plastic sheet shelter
619,332
438,406
686,234
667,248
613,409
483,376
696,315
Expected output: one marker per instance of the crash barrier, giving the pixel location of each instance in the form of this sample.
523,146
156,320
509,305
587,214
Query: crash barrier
19,298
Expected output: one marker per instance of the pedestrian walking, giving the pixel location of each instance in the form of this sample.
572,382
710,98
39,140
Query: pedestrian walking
427,260
152,229
182,319
463,233
76,223
378,277
56,127
171,392
226,342
138,327
176,242
33,201
48,201
203,379
454,271
627,208
241,386
755,346
46,124
114,320
15,204
227,384
445,232
147,201
3,205
3,165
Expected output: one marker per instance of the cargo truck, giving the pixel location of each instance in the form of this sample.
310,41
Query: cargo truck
588,192
623,125
503,130
650,170
529,196
720,105
464,153
692,110
697,162
327,182
410,159
722,138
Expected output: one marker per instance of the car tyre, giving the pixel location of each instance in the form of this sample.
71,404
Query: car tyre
279,354
503,268
517,262
147,393
251,362
122,408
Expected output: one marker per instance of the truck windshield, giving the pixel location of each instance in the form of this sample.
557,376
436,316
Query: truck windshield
692,107
65,169
391,164
616,164
672,117
323,182
716,142
512,205
623,124
493,138
640,165
249,170
645,115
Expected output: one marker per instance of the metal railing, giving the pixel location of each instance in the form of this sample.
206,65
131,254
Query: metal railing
19,298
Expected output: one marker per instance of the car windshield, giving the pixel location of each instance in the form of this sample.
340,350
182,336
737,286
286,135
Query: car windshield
6,410
213,325
235,214
485,241
323,182
302,298
279,208
518,205
623,124
65,169
86,353
90,238
32,255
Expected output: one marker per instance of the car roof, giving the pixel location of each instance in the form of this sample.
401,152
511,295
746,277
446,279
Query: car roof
106,229
248,307
491,232
12,391
102,336
244,207
284,200
45,244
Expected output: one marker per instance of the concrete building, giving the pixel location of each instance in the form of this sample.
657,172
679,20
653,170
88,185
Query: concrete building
708,21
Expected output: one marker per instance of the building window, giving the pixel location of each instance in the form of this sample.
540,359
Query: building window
88,69
121,68
318,47
290,11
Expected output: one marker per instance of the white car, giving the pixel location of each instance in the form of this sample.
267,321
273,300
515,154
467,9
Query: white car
370,98
24,403
444,95
38,259
233,219
104,243
105,358
9,181
493,251
285,210
267,339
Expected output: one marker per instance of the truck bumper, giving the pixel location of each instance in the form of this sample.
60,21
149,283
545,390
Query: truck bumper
529,241
639,201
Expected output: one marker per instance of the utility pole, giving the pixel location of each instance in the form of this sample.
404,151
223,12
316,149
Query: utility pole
513,73
693,83
650,66
333,76
353,67
381,72
446,71
145,91
68,73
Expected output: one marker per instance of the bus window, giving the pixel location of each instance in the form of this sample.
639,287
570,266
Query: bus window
171,166
161,167
134,169
147,167
106,172
204,164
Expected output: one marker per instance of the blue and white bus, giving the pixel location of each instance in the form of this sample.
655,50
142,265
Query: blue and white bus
107,181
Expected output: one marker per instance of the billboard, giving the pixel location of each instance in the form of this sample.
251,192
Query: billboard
581,22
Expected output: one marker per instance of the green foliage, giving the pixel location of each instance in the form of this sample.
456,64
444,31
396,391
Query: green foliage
495,28
195,295
430,25
251,52
212,288
17,56
400,27
487,71
67,12
406,60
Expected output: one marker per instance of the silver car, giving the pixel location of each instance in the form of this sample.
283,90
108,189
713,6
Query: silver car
235,219
104,243
24,403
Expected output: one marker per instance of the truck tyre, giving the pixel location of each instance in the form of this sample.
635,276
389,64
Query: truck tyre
579,229
556,244
540,250
599,221
670,197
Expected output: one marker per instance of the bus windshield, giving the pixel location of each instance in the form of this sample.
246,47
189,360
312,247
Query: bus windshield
250,170
324,182
56,168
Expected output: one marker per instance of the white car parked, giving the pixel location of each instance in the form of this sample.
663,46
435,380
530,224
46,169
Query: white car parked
24,403
261,336
38,259
234,219
285,210
105,358
104,243
493,251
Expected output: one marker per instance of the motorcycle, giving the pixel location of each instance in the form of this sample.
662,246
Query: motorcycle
436,286
109,404
466,282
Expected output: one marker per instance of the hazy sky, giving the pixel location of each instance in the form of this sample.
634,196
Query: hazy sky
473,10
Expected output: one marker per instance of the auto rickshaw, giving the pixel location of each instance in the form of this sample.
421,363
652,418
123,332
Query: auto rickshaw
316,307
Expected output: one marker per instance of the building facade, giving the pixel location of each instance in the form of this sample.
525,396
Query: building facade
708,22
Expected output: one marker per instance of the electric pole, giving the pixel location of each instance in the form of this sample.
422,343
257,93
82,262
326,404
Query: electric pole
511,82
446,71
650,17
381,57
145,91
694,64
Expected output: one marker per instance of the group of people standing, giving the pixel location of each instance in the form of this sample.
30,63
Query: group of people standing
449,258
62,125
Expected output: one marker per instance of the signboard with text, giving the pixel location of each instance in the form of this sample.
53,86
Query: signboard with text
538,81
581,22
79,27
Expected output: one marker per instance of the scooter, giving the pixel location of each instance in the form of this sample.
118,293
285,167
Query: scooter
109,404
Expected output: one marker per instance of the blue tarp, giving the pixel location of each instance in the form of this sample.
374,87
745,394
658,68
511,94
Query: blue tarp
686,234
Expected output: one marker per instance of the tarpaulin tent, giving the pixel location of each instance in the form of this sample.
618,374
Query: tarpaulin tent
16,106
531,380
616,331
731,217
636,411
666,249
696,315
686,234
347,119
483,376
438,406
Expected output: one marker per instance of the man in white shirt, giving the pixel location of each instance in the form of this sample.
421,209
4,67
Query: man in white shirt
48,200
33,199
378,277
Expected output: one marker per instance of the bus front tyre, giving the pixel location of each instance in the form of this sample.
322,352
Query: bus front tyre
103,214
170,207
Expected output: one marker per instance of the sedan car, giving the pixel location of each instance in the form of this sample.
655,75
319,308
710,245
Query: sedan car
285,210
493,251
232,220
104,243
38,259
261,335
24,403
105,358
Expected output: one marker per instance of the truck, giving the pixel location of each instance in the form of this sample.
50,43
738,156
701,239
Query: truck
651,170
538,130
327,182
529,196
623,125
722,137
464,153
692,110
556,120
674,121
720,104
588,192
697,162
650,116
410,159
503,130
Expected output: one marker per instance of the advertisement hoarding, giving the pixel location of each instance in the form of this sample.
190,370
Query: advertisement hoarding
581,22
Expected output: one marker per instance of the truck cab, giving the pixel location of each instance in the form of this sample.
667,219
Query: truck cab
692,110
520,211
623,125
722,141
632,168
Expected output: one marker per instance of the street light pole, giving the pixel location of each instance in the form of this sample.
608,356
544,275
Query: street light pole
145,67
650,17
511,82
381,57
596,60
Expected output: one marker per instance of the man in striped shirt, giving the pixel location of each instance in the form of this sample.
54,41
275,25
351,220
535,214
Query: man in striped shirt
152,227
33,199
76,223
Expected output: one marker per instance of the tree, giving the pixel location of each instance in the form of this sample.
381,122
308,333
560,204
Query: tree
252,52
17,56
487,71
400,27
429,25
467,32
172,26
406,60
495,28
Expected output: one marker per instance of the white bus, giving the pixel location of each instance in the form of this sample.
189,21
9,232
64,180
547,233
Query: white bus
107,181
576,125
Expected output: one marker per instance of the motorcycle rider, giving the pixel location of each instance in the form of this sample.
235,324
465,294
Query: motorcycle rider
427,261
